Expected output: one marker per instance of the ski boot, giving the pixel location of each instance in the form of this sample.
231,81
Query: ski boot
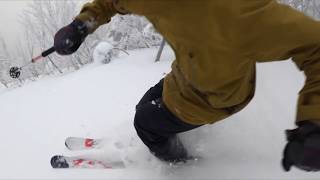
173,151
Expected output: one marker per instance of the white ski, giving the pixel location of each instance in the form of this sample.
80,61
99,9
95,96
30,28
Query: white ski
63,162
79,143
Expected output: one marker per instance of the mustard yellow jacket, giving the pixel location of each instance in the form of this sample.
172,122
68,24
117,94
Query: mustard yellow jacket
217,44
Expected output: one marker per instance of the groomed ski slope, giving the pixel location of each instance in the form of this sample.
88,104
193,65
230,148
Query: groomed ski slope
99,101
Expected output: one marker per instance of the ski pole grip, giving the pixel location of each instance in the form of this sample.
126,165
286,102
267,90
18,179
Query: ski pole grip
48,52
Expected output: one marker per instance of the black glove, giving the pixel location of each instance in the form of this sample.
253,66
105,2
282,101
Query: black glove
303,148
68,39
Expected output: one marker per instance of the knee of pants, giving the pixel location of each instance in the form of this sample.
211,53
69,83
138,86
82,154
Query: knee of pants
141,129
143,114
138,118
136,124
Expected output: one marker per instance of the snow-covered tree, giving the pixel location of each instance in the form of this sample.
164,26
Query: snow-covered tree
6,61
132,32
310,7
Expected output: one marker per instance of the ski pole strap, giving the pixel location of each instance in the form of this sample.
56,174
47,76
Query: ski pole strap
48,52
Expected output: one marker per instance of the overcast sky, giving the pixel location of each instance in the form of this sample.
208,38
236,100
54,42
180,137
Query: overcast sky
10,10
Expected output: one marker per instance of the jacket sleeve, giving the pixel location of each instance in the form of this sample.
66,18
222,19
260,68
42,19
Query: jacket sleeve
99,12
281,32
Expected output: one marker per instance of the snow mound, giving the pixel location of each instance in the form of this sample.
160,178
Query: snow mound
102,52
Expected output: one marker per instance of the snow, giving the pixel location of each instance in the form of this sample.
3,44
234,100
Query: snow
101,51
99,101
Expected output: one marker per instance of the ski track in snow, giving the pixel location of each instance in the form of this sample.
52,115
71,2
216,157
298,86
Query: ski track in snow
99,101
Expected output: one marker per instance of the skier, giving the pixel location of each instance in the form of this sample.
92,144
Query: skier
217,44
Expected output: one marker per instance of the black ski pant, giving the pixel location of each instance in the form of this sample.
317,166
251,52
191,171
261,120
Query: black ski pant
154,123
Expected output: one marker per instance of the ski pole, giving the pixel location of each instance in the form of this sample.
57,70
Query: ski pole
44,54
15,71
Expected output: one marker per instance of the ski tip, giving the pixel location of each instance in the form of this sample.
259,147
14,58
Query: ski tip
59,161
67,146
69,141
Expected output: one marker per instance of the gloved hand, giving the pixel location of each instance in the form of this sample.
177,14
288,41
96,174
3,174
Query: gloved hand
68,39
303,148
